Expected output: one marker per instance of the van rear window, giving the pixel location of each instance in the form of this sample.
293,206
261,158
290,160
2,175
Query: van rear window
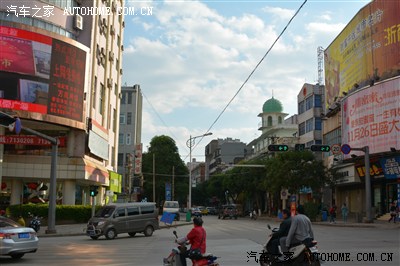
132,211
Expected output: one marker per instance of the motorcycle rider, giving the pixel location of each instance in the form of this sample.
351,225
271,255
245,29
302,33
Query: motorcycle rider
300,230
282,232
197,240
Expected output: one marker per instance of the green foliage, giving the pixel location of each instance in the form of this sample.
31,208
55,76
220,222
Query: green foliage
70,213
311,209
163,159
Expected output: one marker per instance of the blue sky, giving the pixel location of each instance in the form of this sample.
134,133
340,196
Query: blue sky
191,57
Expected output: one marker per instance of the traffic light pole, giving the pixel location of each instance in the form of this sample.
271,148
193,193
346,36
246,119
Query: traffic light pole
368,204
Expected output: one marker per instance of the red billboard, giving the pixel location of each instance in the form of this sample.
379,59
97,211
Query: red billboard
371,117
41,74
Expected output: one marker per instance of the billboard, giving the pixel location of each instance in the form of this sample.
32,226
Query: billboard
371,117
368,48
41,74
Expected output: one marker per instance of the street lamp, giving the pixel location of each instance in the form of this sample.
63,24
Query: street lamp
190,144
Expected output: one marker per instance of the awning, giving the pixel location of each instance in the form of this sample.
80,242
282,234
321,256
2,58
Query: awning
96,172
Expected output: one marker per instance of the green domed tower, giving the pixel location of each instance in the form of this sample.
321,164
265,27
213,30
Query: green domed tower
272,115
272,106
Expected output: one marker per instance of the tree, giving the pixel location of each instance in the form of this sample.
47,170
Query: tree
167,160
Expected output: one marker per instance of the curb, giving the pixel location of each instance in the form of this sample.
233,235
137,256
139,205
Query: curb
42,233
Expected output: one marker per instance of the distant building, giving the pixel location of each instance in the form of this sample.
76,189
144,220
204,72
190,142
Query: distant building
220,153
129,140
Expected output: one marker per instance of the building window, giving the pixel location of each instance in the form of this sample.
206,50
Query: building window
120,159
279,120
318,123
129,118
309,125
113,156
269,121
302,129
101,99
121,139
123,99
317,101
309,103
115,120
130,97
301,107
122,119
128,138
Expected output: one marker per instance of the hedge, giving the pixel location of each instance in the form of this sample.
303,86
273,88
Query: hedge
64,213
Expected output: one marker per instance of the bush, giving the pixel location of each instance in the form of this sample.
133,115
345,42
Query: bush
64,213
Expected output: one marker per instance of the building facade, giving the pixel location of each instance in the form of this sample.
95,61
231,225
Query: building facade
62,76
130,144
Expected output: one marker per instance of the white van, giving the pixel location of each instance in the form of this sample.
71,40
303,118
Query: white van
172,207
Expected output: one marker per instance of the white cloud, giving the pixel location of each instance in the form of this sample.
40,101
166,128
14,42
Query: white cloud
191,60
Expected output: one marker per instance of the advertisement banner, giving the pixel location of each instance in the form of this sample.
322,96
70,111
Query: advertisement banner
41,74
371,117
367,49
391,167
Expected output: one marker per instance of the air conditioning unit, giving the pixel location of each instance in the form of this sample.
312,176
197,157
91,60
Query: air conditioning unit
122,47
104,22
78,22
120,71
112,30
103,51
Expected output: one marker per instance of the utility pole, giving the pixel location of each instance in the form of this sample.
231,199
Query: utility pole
154,177
173,183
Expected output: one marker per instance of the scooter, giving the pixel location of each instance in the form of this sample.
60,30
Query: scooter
305,253
35,222
174,258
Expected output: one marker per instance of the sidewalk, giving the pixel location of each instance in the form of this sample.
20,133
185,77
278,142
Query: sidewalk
80,229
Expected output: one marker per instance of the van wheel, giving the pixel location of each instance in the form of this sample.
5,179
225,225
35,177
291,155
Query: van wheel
111,234
148,231
132,234
94,237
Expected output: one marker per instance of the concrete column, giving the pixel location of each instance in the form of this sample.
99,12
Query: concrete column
69,189
16,191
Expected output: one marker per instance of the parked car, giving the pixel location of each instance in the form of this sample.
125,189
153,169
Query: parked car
211,210
228,211
16,240
203,210
196,212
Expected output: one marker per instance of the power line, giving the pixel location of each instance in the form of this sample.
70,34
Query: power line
255,68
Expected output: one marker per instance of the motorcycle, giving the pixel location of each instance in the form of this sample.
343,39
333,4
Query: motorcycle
305,253
35,222
253,215
174,258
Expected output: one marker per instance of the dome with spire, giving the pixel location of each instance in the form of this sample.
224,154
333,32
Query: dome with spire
272,106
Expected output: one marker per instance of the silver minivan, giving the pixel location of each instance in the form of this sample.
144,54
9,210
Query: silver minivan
118,218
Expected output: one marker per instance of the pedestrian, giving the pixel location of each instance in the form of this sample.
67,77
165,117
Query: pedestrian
393,212
332,213
345,212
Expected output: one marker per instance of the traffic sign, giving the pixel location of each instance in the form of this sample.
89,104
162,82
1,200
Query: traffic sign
322,148
274,147
335,148
346,149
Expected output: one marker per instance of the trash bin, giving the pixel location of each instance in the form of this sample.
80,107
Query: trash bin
188,216
324,216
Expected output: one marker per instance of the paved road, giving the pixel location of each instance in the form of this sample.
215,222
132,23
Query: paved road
235,241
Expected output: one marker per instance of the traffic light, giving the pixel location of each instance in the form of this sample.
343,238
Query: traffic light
299,147
93,191
275,147
321,148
